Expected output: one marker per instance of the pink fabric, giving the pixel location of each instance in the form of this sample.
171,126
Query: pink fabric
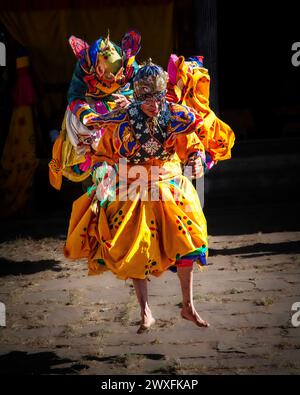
172,69
100,108
86,164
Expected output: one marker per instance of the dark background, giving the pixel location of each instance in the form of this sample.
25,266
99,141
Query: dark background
255,70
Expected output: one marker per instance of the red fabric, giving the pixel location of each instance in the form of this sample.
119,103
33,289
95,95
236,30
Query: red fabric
171,95
24,93
184,263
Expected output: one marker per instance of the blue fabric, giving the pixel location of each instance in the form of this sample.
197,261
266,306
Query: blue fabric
195,59
147,71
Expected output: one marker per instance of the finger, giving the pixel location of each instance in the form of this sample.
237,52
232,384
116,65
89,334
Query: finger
197,169
119,102
195,161
190,164
197,174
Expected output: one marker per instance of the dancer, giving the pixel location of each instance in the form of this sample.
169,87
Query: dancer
102,81
143,216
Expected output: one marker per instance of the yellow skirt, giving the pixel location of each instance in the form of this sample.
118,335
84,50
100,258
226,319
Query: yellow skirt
136,238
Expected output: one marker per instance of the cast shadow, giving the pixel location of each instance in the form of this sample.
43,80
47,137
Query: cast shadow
13,268
259,249
115,359
19,362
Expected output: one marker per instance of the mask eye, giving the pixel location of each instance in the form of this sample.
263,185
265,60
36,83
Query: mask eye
153,97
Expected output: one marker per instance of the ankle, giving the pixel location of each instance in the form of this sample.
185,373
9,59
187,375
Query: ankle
188,306
146,312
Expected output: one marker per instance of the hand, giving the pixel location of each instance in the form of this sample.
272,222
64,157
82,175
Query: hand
101,171
106,187
121,101
197,167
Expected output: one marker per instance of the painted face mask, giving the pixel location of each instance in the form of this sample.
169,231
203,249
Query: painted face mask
159,97
150,80
106,66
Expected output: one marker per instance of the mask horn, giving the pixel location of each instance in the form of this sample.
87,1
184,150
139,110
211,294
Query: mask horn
131,43
107,40
78,46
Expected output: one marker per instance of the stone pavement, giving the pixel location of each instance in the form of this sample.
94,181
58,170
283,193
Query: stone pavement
59,321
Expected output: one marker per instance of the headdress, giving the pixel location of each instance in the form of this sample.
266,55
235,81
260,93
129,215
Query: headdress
110,62
150,79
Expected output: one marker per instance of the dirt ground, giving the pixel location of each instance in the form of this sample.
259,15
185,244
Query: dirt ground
60,321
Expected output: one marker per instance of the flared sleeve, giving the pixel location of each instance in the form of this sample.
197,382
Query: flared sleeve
183,132
106,150
77,98
190,86
187,145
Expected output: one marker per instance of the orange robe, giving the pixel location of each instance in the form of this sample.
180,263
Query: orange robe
141,236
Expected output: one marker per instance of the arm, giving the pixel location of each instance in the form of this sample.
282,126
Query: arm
106,151
77,99
104,168
191,153
79,106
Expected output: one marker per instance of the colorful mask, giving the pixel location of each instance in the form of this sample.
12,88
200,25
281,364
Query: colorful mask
150,80
106,60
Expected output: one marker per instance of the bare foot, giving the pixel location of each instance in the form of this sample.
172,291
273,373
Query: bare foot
146,324
192,315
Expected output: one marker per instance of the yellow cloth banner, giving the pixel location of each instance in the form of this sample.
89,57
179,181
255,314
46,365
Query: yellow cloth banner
46,34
